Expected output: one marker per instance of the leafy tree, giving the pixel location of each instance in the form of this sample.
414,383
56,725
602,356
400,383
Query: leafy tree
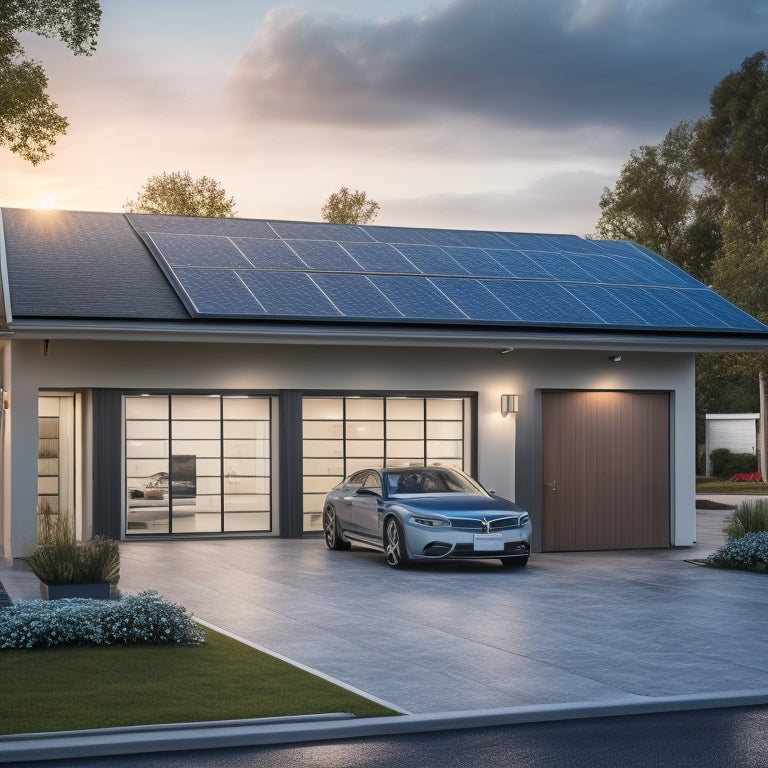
29,122
731,147
655,204
345,207
178,194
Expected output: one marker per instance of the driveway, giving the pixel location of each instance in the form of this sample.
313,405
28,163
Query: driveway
606,627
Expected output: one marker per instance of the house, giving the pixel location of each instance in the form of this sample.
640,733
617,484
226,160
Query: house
170,377
735,431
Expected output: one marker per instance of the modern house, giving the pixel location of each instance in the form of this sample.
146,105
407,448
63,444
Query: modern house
168,377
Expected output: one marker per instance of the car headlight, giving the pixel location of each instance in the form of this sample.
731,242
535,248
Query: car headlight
432,522
524,519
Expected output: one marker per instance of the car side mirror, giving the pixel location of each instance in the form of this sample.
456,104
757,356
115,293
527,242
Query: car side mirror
367,492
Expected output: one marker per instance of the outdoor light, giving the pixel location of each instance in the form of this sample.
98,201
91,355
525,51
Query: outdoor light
510,404
5,400
615,358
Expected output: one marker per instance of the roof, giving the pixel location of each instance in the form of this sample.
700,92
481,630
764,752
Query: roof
246,275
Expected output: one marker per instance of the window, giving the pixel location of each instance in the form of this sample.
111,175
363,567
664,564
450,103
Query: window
197,463
344,434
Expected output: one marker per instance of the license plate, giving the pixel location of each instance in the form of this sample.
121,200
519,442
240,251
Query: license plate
489,542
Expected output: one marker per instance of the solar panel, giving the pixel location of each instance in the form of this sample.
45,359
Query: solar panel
238,268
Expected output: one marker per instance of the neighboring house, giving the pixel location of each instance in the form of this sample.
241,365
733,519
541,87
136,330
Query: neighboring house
735,431
170,377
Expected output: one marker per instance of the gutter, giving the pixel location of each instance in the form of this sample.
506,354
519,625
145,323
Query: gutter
316,334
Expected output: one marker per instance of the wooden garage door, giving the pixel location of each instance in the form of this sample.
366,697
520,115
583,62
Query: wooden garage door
605,470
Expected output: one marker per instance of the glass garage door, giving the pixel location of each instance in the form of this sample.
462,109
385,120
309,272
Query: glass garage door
197,464
343,434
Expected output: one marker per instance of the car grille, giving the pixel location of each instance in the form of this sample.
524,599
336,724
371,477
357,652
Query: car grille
475,526
510,548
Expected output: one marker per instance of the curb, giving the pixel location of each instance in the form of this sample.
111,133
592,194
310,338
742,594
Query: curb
332,727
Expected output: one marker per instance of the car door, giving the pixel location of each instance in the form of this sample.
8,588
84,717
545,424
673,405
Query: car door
367,501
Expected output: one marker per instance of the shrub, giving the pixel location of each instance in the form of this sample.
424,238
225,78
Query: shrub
725,464
748,517
750,552
59,559
133,619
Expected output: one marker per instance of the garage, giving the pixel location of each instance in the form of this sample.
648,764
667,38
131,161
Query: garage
605,465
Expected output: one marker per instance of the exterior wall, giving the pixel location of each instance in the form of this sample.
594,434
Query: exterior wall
508,451
735,431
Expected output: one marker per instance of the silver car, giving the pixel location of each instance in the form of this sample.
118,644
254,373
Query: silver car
425,513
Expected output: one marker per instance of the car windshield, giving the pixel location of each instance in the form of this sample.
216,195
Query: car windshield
429,480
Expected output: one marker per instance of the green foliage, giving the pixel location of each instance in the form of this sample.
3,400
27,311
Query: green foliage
59,559
142,618
345,207
29,122
748,517
724,463
178,194
749,552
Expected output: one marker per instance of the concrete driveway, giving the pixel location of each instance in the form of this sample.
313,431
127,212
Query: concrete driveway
604,627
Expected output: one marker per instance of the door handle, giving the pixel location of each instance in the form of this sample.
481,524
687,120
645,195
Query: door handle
552,485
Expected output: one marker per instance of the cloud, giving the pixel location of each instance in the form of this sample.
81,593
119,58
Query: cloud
559,202
565,64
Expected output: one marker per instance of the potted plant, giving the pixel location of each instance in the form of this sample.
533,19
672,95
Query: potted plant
69,568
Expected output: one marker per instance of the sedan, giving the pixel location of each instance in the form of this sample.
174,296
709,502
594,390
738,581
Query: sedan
425,513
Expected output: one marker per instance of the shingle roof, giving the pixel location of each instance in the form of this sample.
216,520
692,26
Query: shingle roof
165,268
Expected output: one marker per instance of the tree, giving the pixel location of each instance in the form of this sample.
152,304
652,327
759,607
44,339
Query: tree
178,194
345,207
655,204
29,122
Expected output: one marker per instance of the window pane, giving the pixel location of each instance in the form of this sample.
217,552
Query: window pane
329,448
195,407
320,429
324,466
365,430
249,430
154,407
372,448
365,408
322,408
445,409
413,430
246,408
196,430
146,430
410,408
437,430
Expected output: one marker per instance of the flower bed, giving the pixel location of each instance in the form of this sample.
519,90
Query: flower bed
748,552
746,477
142,618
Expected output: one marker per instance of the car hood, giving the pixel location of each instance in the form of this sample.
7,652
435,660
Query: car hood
458,504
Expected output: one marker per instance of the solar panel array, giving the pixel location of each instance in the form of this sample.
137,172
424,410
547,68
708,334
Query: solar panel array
251,269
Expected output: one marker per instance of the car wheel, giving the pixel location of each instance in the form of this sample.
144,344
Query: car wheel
394,544
517,562
334,538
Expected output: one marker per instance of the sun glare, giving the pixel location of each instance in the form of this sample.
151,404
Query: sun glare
44,202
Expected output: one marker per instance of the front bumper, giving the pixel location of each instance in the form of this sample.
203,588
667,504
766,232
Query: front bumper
429,544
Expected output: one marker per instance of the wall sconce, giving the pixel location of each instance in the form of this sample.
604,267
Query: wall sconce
510,404
5,399
615,358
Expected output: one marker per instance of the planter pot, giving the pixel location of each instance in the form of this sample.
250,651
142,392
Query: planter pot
95,589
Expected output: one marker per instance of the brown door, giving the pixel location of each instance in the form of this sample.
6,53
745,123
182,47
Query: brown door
605,470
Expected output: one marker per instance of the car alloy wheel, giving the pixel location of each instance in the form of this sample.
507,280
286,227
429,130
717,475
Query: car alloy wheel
394,543
334,539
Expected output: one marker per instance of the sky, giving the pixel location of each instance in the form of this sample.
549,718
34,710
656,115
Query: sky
508,115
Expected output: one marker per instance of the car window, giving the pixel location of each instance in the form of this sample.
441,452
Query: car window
373,481
429,480
357,478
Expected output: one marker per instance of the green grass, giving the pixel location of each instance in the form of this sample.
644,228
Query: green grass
62,689
709,485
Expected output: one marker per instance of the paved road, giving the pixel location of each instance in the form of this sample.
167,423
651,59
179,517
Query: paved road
721,738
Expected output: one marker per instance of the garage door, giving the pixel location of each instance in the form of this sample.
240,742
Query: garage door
605,468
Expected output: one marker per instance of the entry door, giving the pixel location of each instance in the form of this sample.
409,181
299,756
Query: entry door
605,470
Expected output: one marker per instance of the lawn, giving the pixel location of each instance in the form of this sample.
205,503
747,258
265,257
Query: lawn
56,689
712,485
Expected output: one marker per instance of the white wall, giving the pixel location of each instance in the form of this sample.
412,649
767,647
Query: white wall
140,365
